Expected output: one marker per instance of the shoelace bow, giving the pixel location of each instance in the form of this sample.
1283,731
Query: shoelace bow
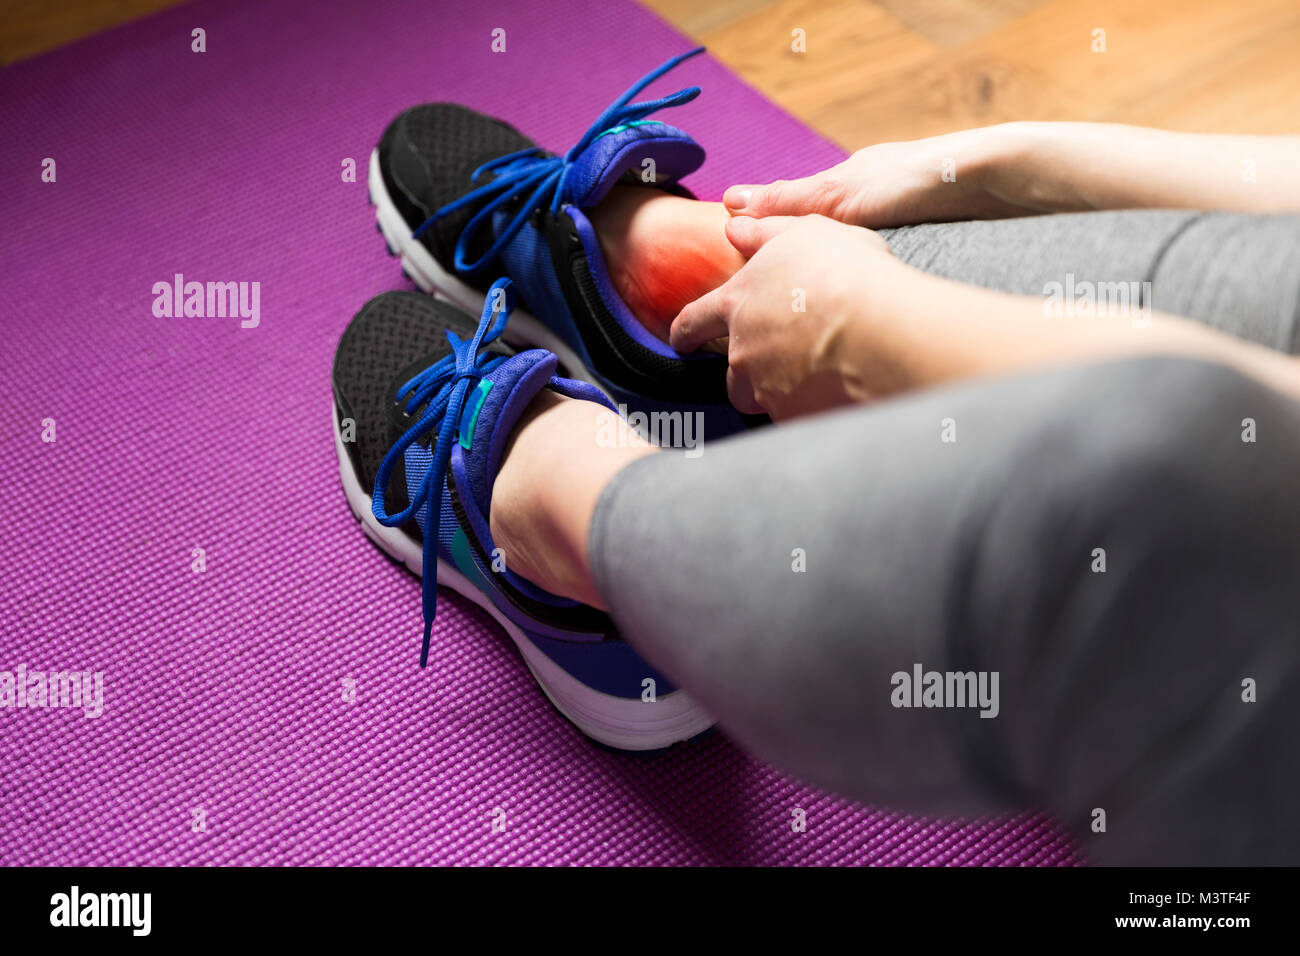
529,169
443,387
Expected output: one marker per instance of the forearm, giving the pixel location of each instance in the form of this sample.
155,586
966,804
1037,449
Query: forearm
940,331
1072,167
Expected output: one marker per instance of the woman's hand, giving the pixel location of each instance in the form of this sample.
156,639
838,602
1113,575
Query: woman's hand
895,184
823,315
796,315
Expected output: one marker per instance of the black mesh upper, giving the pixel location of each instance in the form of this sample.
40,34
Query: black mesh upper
426,157
390,333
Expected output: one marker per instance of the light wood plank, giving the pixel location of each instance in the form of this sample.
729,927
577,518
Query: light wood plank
851,47
952,22
1150,48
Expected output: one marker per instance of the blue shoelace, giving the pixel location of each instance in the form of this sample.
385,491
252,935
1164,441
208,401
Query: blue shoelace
443,386
529,169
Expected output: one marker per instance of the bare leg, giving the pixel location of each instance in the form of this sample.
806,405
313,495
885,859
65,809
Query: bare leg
541,514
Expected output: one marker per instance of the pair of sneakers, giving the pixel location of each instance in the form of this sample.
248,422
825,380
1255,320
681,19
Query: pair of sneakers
426,395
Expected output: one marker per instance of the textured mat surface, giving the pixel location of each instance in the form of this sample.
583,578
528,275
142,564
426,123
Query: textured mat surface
267,709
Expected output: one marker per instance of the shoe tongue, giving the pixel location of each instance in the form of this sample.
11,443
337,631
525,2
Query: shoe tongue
614,152
490,412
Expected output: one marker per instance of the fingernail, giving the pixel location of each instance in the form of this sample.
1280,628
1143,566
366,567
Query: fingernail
737,199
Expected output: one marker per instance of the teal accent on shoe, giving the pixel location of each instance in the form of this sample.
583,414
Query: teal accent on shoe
463,558
623,126
469,417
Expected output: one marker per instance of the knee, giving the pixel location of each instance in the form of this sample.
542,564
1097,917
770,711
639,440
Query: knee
1139,497
1163,454
1157,542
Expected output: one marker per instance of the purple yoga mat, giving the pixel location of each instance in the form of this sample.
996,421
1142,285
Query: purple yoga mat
268,708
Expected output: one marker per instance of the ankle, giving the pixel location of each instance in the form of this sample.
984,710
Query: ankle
663,251
554,469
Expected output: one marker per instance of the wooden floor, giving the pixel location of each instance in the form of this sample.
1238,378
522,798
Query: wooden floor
876,70
880,70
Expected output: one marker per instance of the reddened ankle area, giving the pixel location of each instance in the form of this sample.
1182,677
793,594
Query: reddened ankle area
663,251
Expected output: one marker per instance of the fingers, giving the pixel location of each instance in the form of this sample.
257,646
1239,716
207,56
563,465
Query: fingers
749,235
701,324
740,392
785,197
704,319
692,329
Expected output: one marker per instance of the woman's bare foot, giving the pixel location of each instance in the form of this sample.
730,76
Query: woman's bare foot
663,251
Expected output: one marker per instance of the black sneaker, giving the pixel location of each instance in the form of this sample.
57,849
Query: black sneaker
424,399
462,198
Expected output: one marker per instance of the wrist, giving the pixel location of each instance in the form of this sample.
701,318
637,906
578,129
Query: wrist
876,349
1008,169
997,149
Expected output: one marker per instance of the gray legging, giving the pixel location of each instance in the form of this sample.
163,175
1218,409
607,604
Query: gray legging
1163,690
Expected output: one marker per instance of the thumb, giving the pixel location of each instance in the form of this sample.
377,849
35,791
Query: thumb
749,235
785,197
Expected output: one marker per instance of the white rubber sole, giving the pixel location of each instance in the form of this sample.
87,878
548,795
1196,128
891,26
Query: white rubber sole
616,722
524,329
